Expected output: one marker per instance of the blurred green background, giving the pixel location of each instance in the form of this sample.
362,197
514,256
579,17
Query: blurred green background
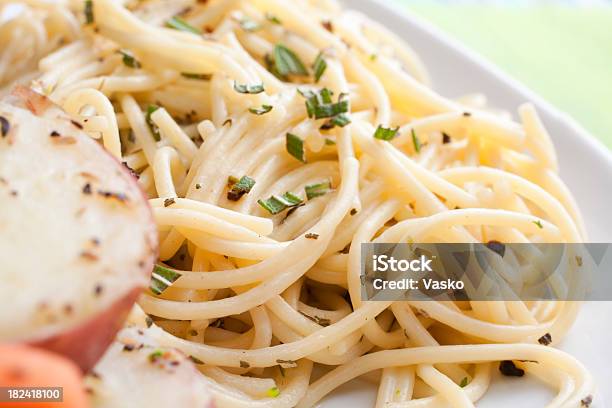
561,50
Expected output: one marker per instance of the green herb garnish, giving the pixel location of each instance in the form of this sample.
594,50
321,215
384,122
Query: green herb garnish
240,188
320,106
89,14
273,19
464,382
201,77
276,203
261,110
273,392
295,147
415,141
162,278
179,24
319,66
152,126
386,134
539,224
129,60
317,190
340,120
156,355
248,89
286,63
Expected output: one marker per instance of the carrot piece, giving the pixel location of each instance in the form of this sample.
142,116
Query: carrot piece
24,366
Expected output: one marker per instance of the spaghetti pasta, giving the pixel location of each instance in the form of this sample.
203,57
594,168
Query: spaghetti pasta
194,96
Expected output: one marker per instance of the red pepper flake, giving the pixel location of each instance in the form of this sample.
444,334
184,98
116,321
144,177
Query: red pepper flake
64,140
327,24
89,256
68,309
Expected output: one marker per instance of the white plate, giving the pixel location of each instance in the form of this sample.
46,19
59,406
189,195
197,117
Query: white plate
586,167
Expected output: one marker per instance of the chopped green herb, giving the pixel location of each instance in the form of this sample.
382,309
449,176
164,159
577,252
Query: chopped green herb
464,382
415,141
156,355
319,66
273,392
373,57
317,190
248,89
89,13
277,204
539,224
240,188
129,60
261,110
329,142
162,278
341,121
152,126
201,77
295,147
286,62
179,24
249,25
331,109
273,19
387,134
320,106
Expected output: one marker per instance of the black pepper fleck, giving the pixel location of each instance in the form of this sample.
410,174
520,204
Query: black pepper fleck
508,369
545,340
54,133
497,247
168,202
5,126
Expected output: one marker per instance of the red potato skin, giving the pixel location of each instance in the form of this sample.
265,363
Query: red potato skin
87,342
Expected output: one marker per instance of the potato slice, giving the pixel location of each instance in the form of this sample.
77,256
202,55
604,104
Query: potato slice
77,237
137,372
